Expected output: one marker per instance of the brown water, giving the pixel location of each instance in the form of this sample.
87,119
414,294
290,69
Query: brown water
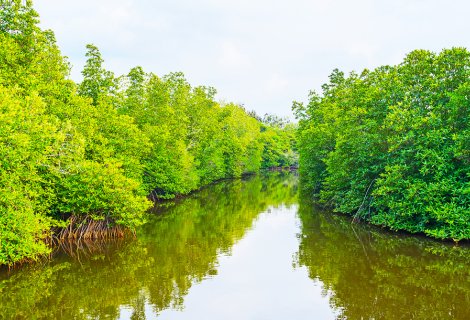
246,249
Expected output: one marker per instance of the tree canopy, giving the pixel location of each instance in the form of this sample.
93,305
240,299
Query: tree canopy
80,156
392,146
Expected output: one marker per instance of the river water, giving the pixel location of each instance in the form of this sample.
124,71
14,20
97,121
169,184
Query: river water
246,249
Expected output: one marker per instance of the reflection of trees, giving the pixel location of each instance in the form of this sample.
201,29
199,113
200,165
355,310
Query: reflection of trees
371,274
179,246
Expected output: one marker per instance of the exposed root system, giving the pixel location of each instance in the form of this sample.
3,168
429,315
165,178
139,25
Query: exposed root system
86,228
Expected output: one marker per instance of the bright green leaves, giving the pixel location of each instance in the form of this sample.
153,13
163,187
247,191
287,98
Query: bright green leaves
101,191
424,176
29,57
97,82
391,145
59,154
240,147
94,151
279,143
25,133
194,140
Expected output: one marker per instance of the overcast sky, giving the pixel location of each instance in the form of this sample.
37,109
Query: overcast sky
259,53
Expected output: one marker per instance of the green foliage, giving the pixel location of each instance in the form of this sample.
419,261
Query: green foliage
96,150
98,83
391,145
279,143
195,140
25,133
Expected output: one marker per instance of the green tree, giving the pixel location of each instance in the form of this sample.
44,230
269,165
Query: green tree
26,133
387,145
80,160
98,83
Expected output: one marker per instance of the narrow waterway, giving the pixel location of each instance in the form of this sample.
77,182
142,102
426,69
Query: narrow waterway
246,249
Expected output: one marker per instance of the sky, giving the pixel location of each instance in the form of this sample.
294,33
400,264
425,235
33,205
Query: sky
262,54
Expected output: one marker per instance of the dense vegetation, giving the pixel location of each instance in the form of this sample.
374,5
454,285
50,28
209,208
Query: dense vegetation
82,158
392,145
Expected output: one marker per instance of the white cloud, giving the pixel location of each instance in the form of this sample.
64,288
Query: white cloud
232,58
277,83
264,53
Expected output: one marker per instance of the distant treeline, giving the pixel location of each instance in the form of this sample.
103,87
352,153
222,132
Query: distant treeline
78,160
392,146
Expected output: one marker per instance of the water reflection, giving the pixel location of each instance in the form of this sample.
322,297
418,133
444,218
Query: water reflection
289,262
177,248
257,280
372,274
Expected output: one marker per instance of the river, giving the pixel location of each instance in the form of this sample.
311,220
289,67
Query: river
245,249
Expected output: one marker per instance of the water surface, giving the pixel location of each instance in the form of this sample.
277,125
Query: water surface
246,249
